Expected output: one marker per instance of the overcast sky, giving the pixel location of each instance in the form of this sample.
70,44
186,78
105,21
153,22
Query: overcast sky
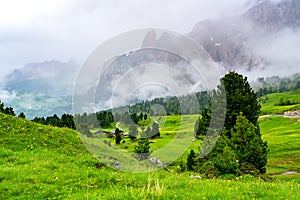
40,30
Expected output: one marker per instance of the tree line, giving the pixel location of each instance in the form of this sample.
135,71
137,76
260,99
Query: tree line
102,119
275,84
9,111
187,104
66,120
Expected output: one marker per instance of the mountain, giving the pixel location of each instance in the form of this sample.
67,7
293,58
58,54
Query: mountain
233,42
42,89
264,37
254,41
52,78
275,16
239,42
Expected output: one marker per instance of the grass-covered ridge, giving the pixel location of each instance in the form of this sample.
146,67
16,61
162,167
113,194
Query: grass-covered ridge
42,162
269,102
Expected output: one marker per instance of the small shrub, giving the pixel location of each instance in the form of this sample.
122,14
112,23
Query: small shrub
248,168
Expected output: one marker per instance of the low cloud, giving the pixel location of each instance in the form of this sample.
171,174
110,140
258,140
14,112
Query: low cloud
280,52
7,96
35,31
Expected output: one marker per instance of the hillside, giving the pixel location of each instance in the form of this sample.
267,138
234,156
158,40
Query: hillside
269,102
42,162
283,138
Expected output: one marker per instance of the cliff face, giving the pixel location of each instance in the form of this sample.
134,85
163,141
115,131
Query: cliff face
225,41
274,17
229,41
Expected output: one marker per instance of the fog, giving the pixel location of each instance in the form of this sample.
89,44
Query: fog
280,53
35,31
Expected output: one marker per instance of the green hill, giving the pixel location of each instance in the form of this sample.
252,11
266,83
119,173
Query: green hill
42,162
268,102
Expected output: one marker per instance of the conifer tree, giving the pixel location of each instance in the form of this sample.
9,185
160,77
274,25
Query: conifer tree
118,136
142,149
240,149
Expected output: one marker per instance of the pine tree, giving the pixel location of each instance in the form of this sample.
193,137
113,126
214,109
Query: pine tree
202,122
248,145
1,107
118,136
190,164
22,115
240,97
9,111
240,147
142,149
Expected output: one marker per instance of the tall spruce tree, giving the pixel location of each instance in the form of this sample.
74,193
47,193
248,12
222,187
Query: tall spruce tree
241,138
240,97
118,136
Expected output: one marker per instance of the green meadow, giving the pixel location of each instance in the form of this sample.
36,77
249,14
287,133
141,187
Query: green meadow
283,136
44,162
269,101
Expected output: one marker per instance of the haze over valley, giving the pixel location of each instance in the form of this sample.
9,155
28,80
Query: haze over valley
259,40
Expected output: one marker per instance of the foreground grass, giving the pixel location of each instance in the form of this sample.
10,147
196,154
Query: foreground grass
41,162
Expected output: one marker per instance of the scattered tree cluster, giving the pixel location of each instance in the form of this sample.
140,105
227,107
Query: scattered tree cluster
286,102
101,119
105,118
202,123
66,120
136,118
9,111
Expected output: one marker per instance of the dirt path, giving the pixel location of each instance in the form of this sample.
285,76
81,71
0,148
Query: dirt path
270,115
289,173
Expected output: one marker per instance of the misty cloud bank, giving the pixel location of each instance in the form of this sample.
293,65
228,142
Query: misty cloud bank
79,26
280,52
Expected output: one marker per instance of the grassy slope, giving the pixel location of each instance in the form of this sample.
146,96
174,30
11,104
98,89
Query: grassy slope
283,136
175,133
270,100
40,162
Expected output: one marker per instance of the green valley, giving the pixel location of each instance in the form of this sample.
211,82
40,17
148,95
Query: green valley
43,162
